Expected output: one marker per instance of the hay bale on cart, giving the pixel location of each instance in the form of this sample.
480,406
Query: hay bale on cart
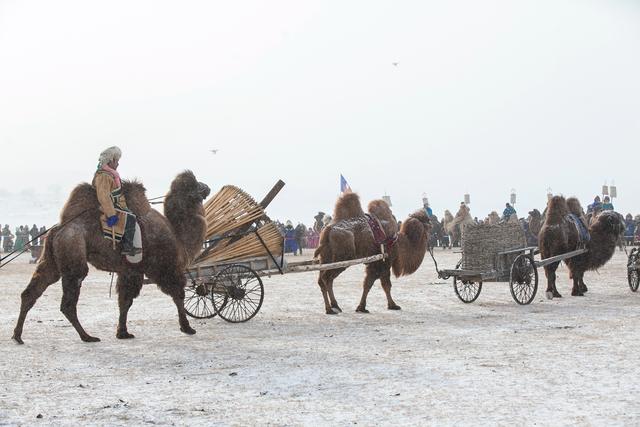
494,253
483,241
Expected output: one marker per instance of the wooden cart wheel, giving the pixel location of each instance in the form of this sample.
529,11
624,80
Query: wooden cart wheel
237,294
467,291
633,275
197,301
523,279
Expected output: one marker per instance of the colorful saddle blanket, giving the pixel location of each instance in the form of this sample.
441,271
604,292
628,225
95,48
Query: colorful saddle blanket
378,233
583,232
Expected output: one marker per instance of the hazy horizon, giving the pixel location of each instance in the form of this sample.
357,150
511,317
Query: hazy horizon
401,98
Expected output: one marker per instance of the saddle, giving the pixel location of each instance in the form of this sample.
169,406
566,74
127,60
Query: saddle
128,232
583,232
379,235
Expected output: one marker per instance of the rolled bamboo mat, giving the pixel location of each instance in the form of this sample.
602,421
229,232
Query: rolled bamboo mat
249,246
229,209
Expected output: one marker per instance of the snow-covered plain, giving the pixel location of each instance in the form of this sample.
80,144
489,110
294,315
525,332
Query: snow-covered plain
437,362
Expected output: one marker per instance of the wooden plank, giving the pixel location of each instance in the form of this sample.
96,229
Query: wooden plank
471,274
518,250
560,257
333,265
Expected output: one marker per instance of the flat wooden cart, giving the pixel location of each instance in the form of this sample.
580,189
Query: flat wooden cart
498,253
234,289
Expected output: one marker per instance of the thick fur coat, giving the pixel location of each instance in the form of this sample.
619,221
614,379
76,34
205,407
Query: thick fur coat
560,235
169,242
349,237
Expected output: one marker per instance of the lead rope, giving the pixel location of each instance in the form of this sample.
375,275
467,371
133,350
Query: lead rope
111,285
440,275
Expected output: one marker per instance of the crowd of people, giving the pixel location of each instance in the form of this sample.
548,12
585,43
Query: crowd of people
301,237
21,237
442,237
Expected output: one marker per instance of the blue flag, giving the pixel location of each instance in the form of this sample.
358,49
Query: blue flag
344,185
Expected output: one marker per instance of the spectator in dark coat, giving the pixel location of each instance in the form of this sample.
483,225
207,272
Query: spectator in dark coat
34,234
301,231
630,229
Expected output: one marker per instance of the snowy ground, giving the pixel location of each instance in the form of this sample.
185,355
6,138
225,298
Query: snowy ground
438,361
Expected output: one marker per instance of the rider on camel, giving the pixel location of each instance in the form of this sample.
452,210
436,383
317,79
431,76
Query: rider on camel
118,222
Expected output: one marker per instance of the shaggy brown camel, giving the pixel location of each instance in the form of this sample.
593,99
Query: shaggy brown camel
560,234
493,218
169,243
535,222
350,236
446,220
455,228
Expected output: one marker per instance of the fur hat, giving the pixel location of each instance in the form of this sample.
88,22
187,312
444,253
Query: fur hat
108,155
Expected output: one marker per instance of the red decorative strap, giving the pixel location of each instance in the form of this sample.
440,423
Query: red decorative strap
378,233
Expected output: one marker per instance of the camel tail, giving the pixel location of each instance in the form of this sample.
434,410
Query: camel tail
348,206
47,250
324,248
557,209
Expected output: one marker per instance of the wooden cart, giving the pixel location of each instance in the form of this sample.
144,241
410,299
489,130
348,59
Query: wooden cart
243,246
498,253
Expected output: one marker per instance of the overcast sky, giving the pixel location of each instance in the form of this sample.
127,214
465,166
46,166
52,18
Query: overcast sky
486,96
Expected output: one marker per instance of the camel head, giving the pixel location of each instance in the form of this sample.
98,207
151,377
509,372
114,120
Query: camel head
411,247
608,222
187,187
422,217
448,217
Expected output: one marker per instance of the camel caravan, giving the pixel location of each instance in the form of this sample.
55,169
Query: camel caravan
210,256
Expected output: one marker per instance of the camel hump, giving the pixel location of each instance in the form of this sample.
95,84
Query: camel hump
82,198
574,206
557,210
348,206
381,210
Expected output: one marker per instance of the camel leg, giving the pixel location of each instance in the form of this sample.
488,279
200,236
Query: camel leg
45,275
325,281
577,280
334,303
583,286
325,296
550,272
329,286
128,287
70,293
174,287
369,279
386,286
178,300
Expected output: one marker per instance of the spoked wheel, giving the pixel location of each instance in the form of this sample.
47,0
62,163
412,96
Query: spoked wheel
238,293
523,279
633,275
467,291
197,301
